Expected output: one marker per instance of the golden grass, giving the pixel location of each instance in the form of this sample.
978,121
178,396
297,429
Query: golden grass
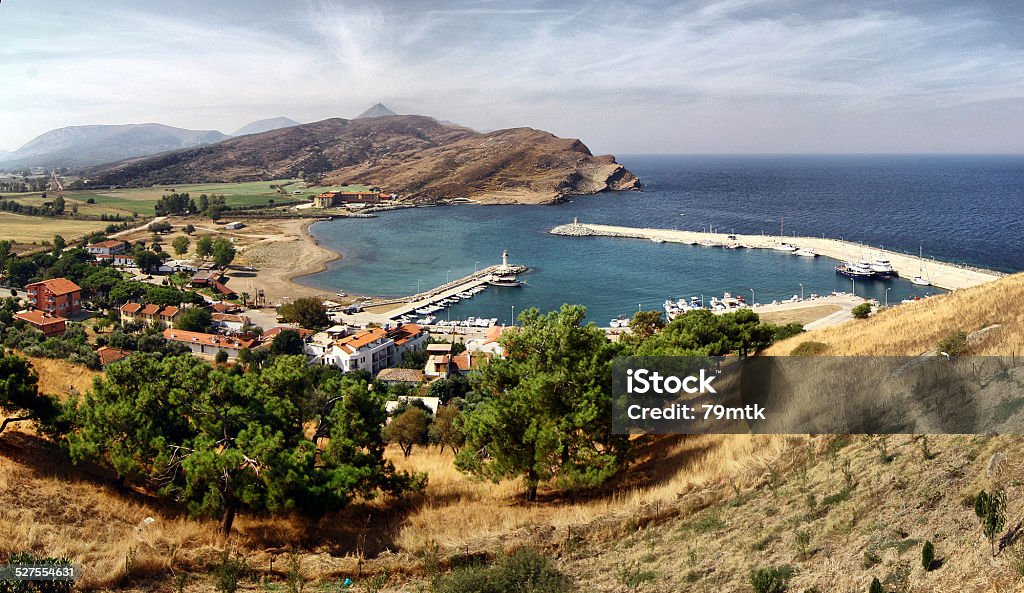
27,229
915,328
803,315
57,375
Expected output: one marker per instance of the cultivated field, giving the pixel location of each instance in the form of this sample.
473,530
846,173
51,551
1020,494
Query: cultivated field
34,229
142,200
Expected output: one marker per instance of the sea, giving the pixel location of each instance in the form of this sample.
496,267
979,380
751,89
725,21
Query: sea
962,209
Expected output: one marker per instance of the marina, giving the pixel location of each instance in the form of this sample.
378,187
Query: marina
858,261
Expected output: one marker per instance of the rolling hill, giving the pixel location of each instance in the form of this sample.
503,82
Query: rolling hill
83,146
415,156
265,125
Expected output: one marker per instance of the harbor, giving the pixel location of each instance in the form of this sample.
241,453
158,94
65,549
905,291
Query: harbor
915,268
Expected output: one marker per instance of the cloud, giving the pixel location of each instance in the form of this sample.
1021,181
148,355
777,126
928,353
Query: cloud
590,69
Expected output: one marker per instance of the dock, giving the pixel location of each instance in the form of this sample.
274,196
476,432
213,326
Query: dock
941,274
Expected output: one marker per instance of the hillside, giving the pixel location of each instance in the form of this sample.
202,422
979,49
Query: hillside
81,146
265,125
417,157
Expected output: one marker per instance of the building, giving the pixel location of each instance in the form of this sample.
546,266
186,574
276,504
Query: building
397,376
329,199
229,321
372,349
207,277
489,343
148,314
50,325
120,260
110,355
109,247
431,403
445,365
208,344
58,296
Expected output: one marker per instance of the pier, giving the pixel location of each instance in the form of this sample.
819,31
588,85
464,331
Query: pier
409,304
940,274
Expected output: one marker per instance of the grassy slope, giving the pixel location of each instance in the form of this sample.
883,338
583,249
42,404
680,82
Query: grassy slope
694,514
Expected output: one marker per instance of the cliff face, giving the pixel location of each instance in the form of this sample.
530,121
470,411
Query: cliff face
417,157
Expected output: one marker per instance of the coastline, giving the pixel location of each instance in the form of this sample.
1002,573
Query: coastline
318,264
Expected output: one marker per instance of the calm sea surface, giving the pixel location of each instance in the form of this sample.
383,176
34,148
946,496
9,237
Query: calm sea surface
964,209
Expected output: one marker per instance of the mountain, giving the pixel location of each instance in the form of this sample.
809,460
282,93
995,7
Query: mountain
414,156
265,125
378,110
81,146
4,154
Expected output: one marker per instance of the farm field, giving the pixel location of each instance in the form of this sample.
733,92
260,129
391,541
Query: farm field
28,229
141,200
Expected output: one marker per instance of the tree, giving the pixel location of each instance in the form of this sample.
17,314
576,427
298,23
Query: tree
991,509
861,311
180,244
58,204
219,442
188,229
445,431
223,252
204,247
644,325
58,245
308,312
704,333
146,260
20,399
193,319
287,342
5,252
544,412
408,429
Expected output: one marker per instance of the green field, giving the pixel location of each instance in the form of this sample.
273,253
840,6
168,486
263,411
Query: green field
142,200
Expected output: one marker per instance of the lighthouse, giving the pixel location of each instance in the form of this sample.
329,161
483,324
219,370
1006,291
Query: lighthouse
504,259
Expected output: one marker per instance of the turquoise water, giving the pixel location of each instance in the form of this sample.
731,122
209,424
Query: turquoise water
900,203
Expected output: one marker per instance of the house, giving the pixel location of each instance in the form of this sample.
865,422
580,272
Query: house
445,365
271,334
58,296
397,376
109,247
206,277
431,403
437,359
148,314
110,355
371,349
173,266
234,226
229,321
220,307
120,260
208,344
489,343
50,325
407,337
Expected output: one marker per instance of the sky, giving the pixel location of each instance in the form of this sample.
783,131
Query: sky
642,76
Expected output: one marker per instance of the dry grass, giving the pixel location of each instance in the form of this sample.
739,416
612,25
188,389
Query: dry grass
918,327
803,315
57,375
29,229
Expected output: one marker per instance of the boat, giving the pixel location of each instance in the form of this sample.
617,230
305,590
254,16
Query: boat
882,268
922,278
854,270
805,252
465,295
657,240
504,280
784,247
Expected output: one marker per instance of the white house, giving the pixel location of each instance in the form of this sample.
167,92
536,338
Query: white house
229,321
372,349
208,344
109,247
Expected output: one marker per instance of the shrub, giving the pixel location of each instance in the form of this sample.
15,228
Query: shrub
876,586
927,555
991,509
524,571
230,571
954,344
221,357
771,580
861,311
809,349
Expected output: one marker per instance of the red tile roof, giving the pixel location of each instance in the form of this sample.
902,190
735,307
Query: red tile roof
150,309
169,312
359,339
109,244
57,285
36,317
130,308
272,332
109,354
402,335
178,335
227,317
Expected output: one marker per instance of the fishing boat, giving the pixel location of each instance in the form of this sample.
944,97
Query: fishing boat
657,240
805,252
504,280
784,247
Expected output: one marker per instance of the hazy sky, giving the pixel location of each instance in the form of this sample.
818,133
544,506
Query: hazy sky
625,77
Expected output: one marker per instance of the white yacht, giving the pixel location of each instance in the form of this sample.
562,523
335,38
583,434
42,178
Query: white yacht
784,247
882,267
805,252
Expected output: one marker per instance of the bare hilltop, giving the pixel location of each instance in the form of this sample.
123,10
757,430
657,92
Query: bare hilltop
418,157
